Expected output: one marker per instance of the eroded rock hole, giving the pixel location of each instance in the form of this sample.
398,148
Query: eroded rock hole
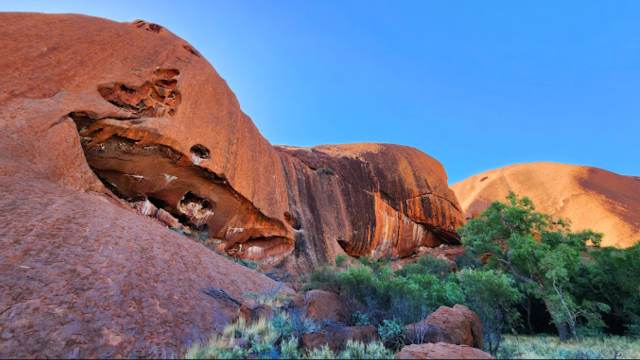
484,178
197,209
141,24
293,222
158,97
200,152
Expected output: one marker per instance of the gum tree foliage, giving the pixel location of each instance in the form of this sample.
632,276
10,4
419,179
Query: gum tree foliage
539,252
612,276
492,295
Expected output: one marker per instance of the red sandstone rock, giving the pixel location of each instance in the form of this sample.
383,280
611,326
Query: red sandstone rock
591,198
458,326
476,324
80,277
441,351
324,306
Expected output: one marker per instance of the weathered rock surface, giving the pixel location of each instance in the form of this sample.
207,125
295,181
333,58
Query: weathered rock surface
80,277
591,198
441,351
458,325
382,200
337,337
325,306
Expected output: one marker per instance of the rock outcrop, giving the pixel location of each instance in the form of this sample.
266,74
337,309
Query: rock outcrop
162,131
458,325
441,351
591,198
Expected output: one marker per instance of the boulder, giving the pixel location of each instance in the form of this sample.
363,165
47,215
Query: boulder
474,321
458,325
441,351
324,306
591,198
336,337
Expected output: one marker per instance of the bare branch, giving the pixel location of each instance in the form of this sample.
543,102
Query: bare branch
220,294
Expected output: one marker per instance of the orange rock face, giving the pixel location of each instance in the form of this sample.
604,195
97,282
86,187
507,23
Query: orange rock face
591,198
379,200
158,125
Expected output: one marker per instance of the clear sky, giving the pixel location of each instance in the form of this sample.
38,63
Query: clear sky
477,85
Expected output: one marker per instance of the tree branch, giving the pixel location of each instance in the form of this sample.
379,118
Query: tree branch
515,272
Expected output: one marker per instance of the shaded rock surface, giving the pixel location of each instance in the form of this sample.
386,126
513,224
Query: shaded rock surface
441,351
591,198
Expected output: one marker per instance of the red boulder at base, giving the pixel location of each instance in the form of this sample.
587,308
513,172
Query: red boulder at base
441,351
458,325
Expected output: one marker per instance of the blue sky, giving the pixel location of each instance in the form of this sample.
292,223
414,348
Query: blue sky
477,85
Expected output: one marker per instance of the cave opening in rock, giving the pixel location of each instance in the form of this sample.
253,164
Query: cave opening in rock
200,151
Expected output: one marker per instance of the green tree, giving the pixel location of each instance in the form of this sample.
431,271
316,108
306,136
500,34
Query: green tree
612,276
538,251
492,295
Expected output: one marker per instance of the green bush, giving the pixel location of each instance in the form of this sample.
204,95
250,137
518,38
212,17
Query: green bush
340,259
392,334
325,171
468,260
407,295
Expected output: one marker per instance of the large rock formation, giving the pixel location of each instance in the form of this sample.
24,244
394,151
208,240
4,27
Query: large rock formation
163,131
591,198
99,118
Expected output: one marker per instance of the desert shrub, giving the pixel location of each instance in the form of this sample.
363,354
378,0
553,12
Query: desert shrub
325,171
360,318
426,265
407,295
282,324
289,349
468,260
340,259
323,353
324,278
392,334
543,347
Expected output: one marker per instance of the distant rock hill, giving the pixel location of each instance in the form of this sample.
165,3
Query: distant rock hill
113,132
591,198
